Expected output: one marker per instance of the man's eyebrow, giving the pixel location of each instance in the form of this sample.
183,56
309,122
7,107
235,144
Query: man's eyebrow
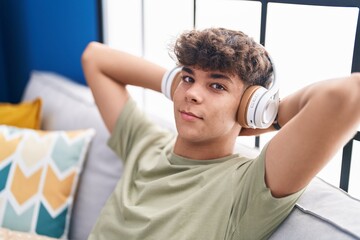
211,75
188,70
220,76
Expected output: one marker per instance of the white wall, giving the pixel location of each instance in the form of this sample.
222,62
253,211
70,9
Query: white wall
307,43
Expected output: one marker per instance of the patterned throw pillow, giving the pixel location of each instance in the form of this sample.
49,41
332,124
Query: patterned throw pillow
39,171
24,115
6,234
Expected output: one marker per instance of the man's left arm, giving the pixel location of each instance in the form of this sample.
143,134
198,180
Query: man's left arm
317,121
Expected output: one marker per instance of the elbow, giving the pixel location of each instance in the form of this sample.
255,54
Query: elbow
87,56
351,90
89,61
355,78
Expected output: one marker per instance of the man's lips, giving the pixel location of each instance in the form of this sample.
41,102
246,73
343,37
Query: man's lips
189,116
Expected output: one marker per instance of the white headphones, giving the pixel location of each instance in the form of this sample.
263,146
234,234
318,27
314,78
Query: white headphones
167,81
258,105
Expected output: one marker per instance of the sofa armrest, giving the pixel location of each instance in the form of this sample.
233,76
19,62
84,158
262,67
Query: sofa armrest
323,212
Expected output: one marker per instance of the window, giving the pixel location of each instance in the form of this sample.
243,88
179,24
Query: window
307,43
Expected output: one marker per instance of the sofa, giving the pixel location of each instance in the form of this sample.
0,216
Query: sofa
323,212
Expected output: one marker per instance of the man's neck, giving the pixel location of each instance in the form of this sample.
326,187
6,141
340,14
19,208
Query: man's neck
204,150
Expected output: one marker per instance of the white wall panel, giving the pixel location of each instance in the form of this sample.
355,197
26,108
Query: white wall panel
123,31
239,15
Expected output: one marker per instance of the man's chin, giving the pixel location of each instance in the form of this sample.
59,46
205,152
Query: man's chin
191,137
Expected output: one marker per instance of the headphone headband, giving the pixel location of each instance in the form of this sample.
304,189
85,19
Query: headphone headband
274,87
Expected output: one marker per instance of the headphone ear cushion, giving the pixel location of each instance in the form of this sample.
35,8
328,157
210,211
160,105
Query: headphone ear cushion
244,105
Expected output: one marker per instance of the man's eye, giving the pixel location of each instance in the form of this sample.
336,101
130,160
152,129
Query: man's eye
187,79
217,86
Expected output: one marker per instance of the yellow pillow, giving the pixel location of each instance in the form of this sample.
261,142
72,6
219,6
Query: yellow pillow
23,115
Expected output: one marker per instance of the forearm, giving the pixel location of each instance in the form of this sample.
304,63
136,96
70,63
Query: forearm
318,94
335,100
108,71
121,67
323,117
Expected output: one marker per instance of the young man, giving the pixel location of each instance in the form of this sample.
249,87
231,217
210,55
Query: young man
190,185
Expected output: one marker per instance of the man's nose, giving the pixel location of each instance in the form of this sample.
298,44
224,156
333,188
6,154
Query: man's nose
195,93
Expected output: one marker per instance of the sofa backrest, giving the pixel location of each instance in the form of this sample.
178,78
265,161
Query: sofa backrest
68,106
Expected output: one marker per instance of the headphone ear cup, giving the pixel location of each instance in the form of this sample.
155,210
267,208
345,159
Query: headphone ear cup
266,109
244,105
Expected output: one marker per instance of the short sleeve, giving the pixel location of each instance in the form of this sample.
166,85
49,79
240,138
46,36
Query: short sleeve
256,212
132,125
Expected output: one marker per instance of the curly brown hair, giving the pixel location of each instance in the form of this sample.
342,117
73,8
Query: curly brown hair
224,50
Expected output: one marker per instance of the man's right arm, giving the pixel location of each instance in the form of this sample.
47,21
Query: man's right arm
108,71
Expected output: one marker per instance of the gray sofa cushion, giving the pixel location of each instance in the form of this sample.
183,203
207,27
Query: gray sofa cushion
68,105
323,212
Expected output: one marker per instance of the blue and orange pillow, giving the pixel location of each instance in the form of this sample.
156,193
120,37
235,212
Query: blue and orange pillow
39,171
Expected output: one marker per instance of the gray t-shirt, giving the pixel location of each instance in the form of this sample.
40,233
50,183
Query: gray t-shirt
163,196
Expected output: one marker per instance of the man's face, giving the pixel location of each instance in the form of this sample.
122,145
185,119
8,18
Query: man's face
205,105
